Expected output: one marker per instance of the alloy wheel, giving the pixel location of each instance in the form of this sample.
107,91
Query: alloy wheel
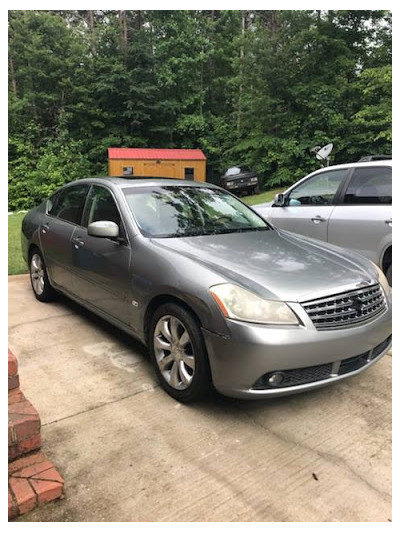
37,274
174,352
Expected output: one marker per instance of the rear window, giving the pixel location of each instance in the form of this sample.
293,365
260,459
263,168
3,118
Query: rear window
68,203
370,186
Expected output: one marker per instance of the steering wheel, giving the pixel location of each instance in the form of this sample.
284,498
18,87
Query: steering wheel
319,200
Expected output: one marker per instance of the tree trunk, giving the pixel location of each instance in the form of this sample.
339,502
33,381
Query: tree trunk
241,58
124,32
13,78
91,32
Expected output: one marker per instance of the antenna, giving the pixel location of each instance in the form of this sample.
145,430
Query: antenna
323,153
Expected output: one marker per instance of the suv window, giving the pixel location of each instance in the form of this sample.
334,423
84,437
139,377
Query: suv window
318,190
371,185
101,205
68,203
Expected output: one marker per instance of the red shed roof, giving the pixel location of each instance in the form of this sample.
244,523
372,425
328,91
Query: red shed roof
155,153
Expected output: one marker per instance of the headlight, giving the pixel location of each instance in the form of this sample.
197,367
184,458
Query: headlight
230,184
253,180
239,304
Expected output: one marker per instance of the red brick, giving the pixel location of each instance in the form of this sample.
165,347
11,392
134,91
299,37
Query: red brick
26,446
34,470
15,396
25,496
11,436
31,444
24,426
46,490
13,382
12,507
12,364
23,462
22,408
49,475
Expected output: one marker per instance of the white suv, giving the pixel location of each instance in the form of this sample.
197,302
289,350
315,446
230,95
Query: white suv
347,205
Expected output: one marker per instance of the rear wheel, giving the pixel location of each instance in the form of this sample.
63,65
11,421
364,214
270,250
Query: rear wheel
178,353
42,289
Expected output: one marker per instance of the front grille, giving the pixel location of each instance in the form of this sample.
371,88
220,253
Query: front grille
347,308
311,374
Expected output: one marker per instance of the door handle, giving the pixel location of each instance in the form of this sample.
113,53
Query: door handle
318,219
45,227
389,222
77,242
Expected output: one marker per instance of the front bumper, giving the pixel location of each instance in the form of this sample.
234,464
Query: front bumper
237,363
246,184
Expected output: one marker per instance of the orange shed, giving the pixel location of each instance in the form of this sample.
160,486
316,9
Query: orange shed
153,162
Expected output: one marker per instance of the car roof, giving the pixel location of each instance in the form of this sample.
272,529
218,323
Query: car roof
125,183
382,162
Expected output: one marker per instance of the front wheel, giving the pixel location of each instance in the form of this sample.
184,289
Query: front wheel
389,275
42,289
178,353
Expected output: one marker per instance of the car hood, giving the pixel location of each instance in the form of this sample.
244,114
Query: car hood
276,264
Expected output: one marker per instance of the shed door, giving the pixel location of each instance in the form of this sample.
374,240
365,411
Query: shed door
189,173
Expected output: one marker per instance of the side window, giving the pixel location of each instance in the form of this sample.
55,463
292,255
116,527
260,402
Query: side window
101,206
319,190
68,204
371,185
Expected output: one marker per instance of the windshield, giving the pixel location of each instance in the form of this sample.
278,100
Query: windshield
174,211
234,171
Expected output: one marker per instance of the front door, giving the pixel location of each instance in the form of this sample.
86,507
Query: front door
310,204
101,266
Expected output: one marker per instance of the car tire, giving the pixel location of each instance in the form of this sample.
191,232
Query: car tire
41,286
178,353
389,275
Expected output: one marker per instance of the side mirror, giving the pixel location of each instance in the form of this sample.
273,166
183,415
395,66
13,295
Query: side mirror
279,200
103,228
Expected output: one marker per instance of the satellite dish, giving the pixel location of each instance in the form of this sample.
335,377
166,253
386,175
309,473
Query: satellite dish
324,152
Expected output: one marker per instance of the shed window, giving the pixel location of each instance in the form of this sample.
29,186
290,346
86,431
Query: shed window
127,171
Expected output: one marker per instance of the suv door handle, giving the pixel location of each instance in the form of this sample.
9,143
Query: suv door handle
318,219
389,222
77,242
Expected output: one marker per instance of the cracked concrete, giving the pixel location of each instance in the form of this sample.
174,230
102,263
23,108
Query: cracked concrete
128,452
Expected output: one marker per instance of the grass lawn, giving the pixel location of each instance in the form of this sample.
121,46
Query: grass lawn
16,265
266,196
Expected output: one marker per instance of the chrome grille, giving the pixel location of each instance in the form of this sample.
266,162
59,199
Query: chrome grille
347,308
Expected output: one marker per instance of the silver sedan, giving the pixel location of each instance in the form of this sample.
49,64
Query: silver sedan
222,299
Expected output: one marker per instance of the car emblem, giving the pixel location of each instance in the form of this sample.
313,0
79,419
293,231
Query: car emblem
357,304
364,283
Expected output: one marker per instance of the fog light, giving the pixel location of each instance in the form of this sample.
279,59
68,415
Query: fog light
276,379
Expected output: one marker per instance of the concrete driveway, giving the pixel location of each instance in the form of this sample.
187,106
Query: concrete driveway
128,452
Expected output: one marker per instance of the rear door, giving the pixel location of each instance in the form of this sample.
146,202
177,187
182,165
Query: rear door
64,213
363,221
310,204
